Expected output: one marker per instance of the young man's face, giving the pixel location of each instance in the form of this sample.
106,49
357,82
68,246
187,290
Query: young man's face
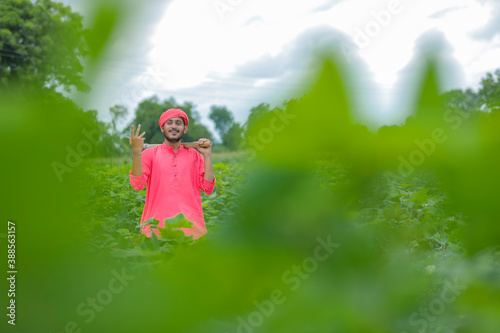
174,129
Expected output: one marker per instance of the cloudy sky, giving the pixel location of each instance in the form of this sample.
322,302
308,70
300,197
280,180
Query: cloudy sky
240,53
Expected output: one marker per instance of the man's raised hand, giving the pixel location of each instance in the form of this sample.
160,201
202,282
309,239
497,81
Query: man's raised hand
136,140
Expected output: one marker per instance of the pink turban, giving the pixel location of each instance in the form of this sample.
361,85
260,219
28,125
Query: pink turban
172,113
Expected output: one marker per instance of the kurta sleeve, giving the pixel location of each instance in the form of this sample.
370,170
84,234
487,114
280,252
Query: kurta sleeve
139,182
205,185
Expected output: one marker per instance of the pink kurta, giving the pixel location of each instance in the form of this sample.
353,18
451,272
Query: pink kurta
174,183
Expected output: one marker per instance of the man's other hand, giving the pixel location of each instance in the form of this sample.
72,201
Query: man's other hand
204,151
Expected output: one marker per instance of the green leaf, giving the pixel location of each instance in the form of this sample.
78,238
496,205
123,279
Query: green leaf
150,221
420,196
171,233
178,221
154,240
123,232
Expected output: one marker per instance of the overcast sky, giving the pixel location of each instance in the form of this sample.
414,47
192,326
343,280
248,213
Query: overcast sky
240,53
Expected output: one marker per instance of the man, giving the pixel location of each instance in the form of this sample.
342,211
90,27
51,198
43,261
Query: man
174,174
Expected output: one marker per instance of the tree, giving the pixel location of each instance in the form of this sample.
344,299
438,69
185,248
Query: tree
222,118
41,44
233,137
461,100
489,93
114,145
148,114
117,112
255,114
487,97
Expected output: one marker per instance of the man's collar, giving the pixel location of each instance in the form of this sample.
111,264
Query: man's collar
172,148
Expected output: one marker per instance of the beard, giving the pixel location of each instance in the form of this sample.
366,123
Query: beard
175,138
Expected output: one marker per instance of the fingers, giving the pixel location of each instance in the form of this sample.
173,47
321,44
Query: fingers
136,132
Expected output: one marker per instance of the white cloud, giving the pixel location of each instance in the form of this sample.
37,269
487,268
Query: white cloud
258,50
492,28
